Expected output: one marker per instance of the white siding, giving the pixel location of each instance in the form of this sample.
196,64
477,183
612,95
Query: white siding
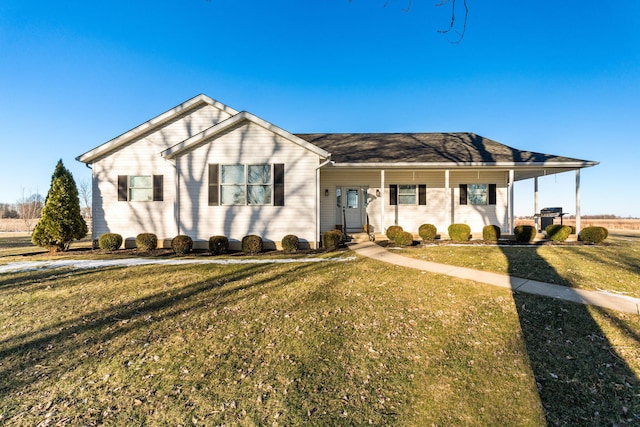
249,144
142,157
410,217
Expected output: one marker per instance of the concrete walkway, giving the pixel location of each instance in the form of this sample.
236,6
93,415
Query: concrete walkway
600,299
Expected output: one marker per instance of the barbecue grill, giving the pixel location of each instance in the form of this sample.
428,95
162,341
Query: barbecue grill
547,216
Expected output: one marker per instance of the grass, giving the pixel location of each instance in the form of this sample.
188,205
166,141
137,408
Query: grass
349,343
613,266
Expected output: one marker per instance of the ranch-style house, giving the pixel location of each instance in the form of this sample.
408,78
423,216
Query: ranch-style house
203,169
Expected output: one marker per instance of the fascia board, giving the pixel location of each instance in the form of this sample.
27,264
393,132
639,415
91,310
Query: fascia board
440,165
149,125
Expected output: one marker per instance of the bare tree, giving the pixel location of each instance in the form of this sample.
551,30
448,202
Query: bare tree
85,194
455,27
29,208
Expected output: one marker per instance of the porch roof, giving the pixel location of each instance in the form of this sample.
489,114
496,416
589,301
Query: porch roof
428,150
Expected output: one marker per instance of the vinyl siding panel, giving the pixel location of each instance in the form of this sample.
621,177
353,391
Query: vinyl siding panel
249,144
142,157
410,217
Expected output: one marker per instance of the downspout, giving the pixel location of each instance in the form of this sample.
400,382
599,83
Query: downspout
321,165
88,165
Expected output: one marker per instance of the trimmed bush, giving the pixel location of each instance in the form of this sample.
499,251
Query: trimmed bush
525,233
427,231
332,239
403,238
146,241
573,229
593,234
290,243
459,232
252,244
110,242
393,230
218,245
491,233
557,232
181,244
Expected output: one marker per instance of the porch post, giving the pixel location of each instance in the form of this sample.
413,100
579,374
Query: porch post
382,199
318,238
447,198
535,202
511,199
577,201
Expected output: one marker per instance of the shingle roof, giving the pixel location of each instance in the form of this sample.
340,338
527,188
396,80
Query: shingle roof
458,148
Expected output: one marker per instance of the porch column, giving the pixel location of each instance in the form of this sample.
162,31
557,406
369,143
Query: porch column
535,202
382,199
447,198
511,199
577,201
318,238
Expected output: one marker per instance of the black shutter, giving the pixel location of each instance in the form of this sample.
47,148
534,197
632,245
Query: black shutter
393,194
278,184
158,181
463,194
213,185
122,188
492,194
422,194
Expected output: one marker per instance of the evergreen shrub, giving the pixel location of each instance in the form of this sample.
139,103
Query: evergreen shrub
557,232
252,244
524,233
146,241
218,245
403,238
110,242
459,232
331,240
593,234
491,233
393,230
290,243
61,220
181,244
427,231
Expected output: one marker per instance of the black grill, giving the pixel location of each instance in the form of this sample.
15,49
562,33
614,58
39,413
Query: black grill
548,214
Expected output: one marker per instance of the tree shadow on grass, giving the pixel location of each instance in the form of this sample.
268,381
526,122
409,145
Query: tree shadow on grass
581,378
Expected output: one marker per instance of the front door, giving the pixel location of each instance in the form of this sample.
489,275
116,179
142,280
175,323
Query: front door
353,208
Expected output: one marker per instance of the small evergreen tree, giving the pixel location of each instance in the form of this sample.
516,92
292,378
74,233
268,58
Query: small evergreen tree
61,221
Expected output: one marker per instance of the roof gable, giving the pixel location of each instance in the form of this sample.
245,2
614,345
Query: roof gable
231,123
153,125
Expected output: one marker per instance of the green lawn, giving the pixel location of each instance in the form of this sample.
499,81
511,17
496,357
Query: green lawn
334,343
613,266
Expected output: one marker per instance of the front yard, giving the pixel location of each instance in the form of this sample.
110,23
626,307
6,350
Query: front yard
333,343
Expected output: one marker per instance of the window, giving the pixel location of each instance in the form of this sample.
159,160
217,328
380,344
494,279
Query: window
140,188
232,185
478,194
261,184
408,194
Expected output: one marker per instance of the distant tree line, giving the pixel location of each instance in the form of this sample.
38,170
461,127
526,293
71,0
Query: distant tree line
29,207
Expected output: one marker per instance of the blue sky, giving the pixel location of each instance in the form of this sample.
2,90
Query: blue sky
554,77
